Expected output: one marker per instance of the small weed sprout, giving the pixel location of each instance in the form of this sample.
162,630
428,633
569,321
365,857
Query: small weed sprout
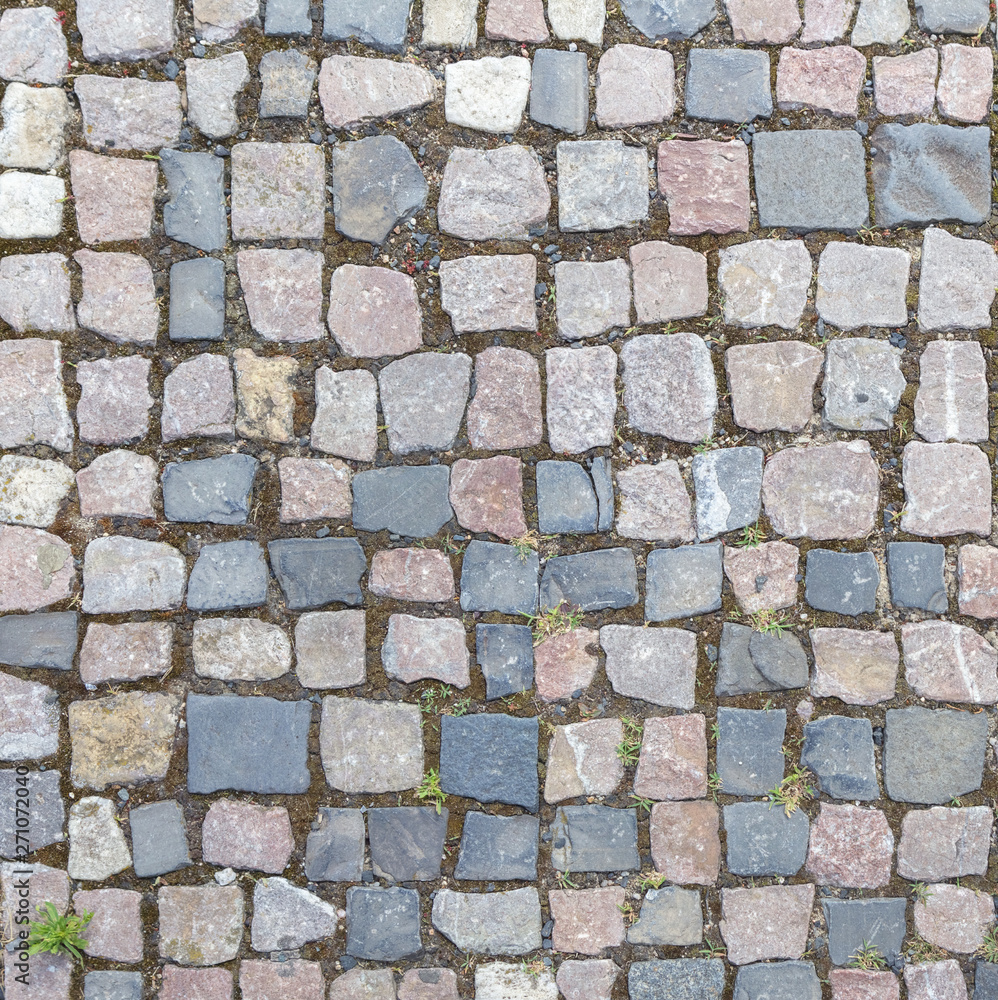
793,791
714,784
564,880
629,748
527,543
549,622
641,803
752,535
868,957
770,622
989,949
919,950
652,880
920,892
430,791
56,934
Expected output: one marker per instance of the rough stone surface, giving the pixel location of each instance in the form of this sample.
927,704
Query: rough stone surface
669,18
407,842
915,571
412,574
728,85
36,569
287,17
683,582
592,297
487,94
346,417
47,811
497,847
635,85
417,648
655,665
487,495
778,981
763,840
128,113
218,21
365,984
749,661
863,383
506,655
245,835
566,499
977,572
601,185
329,649
286,82
826,80
119,298
952,399
118,483
728,487
826,20
668,916
764,576
931,173
772,23
376,184
594,838
115,930
947,490
684,978
278,191
370,746
32,46
407,500
933,755
159,838
506,409
858,667
965,17
216,490
373,312
838,750
772,384
35,294
605,578
589,979
114,403
283,293
500,923
843,582
906,84
862,286
293,979
853,922
942,843
771,922
954,918
559,85
353,89
765,283
588,920
200,925
32,490
822,492
31,206
489,293
670,282
706,186
811,179
673,759
685,846
314,489
212,87
33,132
880,21
565,664
519,20
493,194
928,980
113,197
654,503
382,27
749,757
947,662
245,649
955,292
264,397
198,400
335,847
581,399
850,846
582,759
97,846
963,93
494,577
197,299
129,574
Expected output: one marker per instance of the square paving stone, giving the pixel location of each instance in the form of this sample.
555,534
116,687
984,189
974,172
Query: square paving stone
736,672
566,501
197,299
814,179
286,82
248,744
678,979
490,758
408,500
606,578
947,489
506,655
592,297
581,399
915,572
594,839
559,90
685,843
863,381
843,582
728,85
941,843
498,847
317,571
728,486
933,755
749,750
683,582
658,665
407,842
278,190
216,490
334,851
45,639
330,649
496,577
228,575
602,184
382,924
854,923
706,186
482,293
851,847
588,920
778,981
670,916
635,85
931,173
860,667
287,17
763,840
159,838
46,812
838,750
112,986
772,385
654,502
381,26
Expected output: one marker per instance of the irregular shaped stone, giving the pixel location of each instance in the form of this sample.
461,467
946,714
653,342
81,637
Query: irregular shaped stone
198,400
771,922
200,925
606,578
448,24
673,759
963,93
602,184
505,654
370,746
330,648
114,402
489,293
856,923
32,490
582,759
859,668
33,123
232,649
862,286
487,495
353,89
245,835
672,19
417,648
985,980
728,486
118,484
930,173
382,924
951,402
128,574
940,843
843,582
933,755
493,194
46,809
500,923
948,662
683,582
488,94
376,184
765,283
278,191
685,846
566,500
345,414
35,295
954,918
763,840
491,758
335,847
496,577
826,80
931,979
374,312
412,574
286,82
216,490
220,20
30,206
594,839
407,500
115,931
159,838
772,385
407,842
591,297
559,83
317,571
906,84
602,476
36,569
965,17
506,409
197,299
977,572
763,577
635,85
128,113
294,979
283,293
497,847
955,292
581,399
266,403
737,672
839,752
654,503
565,664
587,921
383,27
97,846
749,750
863,382
669,916
823,492
212,87
657,665
728,85
706,186
947,490
32,46
591,978
119,297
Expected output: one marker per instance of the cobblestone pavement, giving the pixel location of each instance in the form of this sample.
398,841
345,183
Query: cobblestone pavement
496,499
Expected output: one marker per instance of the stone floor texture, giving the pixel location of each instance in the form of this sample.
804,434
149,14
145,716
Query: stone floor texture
497,499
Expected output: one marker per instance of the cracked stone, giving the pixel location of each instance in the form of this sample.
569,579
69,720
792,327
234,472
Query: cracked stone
407,842
605,578
353,89
212,87
852,922
669,916
317,571
264,396
448,24
216,490
582,760
765,283
197,298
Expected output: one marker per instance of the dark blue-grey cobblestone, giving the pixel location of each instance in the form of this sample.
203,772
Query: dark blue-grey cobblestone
853,923
677,979
496,577
195,213
317,571
506,655
672,19
197,299
228,575
838,750
287,17
763,840
777,981
606,578
209,489
382,924
498,847
407,842
334,850
44,639
559,90
594,839
728,85
107,985
843,582
683,582
159,838
378,23
602,474
915,573
750,749
410,500
566,500
728,485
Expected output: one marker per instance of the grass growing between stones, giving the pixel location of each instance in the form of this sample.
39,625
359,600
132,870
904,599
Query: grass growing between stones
868,957
751,537
989,949
430,791
919,951
629,748
793,791
57,935
770,622
714,784
920,892
652,880
549,622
